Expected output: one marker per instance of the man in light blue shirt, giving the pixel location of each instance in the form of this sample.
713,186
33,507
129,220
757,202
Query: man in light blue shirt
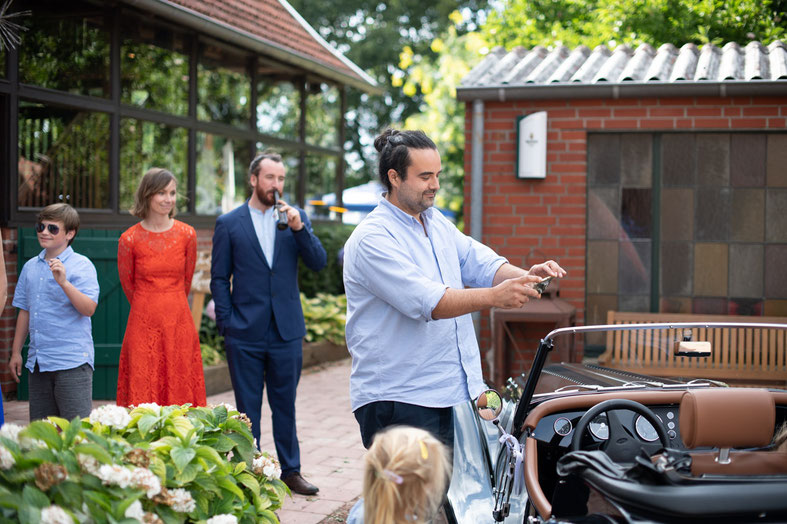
412,279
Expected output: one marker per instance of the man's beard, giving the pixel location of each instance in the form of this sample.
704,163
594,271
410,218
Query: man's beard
266,198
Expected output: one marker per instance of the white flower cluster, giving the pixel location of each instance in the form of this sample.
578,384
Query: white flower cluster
135,511
224,518
181,500
6,458
267,466
88,463
11,432
139,478
109,415
55,515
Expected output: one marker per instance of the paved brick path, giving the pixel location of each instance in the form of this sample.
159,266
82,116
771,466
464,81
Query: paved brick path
331,449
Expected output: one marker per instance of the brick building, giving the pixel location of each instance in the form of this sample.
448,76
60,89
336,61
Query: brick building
98,92
666,176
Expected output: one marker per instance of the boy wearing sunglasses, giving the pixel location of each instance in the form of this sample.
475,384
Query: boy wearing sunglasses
56,294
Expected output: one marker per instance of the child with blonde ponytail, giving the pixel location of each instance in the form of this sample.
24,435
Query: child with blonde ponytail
406,476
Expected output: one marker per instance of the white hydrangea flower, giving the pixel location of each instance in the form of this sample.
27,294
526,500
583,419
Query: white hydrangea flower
135,511
88,463
55,515
267,466
109,415
230,454
114,474
6,458
11,431
224,518
145,479
182,501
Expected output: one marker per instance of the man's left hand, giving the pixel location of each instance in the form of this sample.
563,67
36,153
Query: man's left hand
550,268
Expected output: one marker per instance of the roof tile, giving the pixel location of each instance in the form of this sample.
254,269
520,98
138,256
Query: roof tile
666,65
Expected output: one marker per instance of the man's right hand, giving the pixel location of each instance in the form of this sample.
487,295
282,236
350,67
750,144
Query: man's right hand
515,292
15,365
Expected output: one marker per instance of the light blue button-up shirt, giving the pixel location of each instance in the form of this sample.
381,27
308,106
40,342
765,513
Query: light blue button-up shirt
265,227
60,336
394,276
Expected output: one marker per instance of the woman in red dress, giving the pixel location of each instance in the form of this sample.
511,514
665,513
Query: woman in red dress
160,361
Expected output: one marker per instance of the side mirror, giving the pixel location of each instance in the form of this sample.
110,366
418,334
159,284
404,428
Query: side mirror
489,404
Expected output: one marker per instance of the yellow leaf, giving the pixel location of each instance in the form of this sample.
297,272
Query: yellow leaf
409,89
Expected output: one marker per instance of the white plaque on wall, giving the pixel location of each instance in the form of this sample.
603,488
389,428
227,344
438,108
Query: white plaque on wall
531,145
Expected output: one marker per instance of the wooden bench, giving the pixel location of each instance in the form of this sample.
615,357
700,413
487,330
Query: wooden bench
754,355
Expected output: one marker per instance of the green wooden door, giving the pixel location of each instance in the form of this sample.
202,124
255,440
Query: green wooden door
109,320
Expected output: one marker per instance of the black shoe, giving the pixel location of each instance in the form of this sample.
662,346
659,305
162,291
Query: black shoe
298,484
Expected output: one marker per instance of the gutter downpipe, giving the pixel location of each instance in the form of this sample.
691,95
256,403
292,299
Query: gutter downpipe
477,186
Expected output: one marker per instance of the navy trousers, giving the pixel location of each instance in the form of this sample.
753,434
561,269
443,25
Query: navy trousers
375,416
274,363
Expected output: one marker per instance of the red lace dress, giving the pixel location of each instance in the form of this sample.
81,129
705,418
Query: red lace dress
160,361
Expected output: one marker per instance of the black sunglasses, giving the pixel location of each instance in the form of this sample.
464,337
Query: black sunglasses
53,228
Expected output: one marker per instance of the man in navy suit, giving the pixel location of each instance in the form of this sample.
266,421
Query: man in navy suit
260,313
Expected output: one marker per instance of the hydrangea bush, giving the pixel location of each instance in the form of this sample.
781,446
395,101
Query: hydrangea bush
150,464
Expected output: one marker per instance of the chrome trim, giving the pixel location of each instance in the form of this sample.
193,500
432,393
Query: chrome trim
661,325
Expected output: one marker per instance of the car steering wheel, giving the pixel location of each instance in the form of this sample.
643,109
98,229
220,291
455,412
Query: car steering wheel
622,445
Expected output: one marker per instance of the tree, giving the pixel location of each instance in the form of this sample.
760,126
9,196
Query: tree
372,35
593,22
441,116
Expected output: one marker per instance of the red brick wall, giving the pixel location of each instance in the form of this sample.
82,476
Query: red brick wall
527,220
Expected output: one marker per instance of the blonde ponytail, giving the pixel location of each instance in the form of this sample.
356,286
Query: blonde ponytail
406,476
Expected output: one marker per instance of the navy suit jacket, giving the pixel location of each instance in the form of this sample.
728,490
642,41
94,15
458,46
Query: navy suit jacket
259,293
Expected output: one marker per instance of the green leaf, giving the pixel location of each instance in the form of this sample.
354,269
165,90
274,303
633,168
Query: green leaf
182,456
267,516
95,451
211,455
29,515
71,431
240,467
146,423
226,484
250,482
188,474
43,431
244,448
224,443
33,496
158,467
182,426
221,414
100,499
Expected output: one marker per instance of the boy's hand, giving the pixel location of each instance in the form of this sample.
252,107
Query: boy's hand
58,270
15,365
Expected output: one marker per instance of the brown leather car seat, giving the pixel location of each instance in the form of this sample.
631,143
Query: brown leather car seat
727,418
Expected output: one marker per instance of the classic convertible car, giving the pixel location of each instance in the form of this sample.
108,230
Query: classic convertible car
583,443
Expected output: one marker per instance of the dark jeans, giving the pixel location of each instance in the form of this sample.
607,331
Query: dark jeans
67,393
379,415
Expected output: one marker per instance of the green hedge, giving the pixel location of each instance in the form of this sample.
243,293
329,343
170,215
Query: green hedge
332,235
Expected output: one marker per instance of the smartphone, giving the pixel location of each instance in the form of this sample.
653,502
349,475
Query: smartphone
542,286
